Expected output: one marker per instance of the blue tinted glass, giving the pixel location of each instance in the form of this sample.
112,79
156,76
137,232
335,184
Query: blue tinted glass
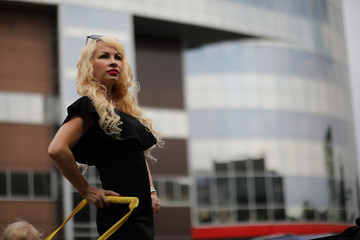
241,123
73,48
304,191
237,57
95,18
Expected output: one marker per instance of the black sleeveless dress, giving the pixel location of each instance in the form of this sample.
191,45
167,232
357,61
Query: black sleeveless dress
122,168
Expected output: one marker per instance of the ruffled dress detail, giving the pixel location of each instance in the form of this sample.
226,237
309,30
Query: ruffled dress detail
122,168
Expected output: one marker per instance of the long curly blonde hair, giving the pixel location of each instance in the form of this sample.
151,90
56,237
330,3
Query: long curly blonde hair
122,95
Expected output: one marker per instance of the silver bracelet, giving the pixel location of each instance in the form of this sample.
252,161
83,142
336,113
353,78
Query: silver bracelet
152,189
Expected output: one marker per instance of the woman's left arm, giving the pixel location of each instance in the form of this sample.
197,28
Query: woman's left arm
155,201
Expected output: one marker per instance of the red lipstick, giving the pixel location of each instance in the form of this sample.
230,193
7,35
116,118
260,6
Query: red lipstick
113,71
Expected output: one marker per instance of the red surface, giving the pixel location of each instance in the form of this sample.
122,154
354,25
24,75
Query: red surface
266,229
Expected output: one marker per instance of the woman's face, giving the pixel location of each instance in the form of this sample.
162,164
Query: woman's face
107,63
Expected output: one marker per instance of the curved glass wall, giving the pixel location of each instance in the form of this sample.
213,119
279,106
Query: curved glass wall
271,128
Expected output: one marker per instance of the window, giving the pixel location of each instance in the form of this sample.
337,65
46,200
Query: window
169,191
240,166
41,184
260,190
205,216
241,191
2,184
173,191
278,190
244,191
25,184
261,214
19,184
224,216
84,215
184,192
243,215
223,193
221,168
203,192
279,214
259,165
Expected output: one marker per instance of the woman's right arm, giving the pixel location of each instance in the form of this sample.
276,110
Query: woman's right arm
60,151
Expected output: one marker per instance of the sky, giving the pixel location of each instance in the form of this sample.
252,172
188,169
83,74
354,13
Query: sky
351,9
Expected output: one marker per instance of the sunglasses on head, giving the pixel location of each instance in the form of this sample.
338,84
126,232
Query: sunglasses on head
93,37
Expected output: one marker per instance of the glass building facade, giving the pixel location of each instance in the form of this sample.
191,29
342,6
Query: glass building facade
271,129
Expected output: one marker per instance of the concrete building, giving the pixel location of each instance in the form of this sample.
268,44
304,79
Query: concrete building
252,97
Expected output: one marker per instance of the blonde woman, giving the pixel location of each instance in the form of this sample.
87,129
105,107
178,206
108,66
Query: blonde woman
106,128
21,230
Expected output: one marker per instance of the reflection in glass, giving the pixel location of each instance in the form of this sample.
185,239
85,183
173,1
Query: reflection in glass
277,189
329,163
342,215
261,215
203,192
243,215
279,214
322,216
259,165
221,168
308,212
224,216
260,190
204,216
342,189
241,191
282,121
223,191
306,132
240,166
